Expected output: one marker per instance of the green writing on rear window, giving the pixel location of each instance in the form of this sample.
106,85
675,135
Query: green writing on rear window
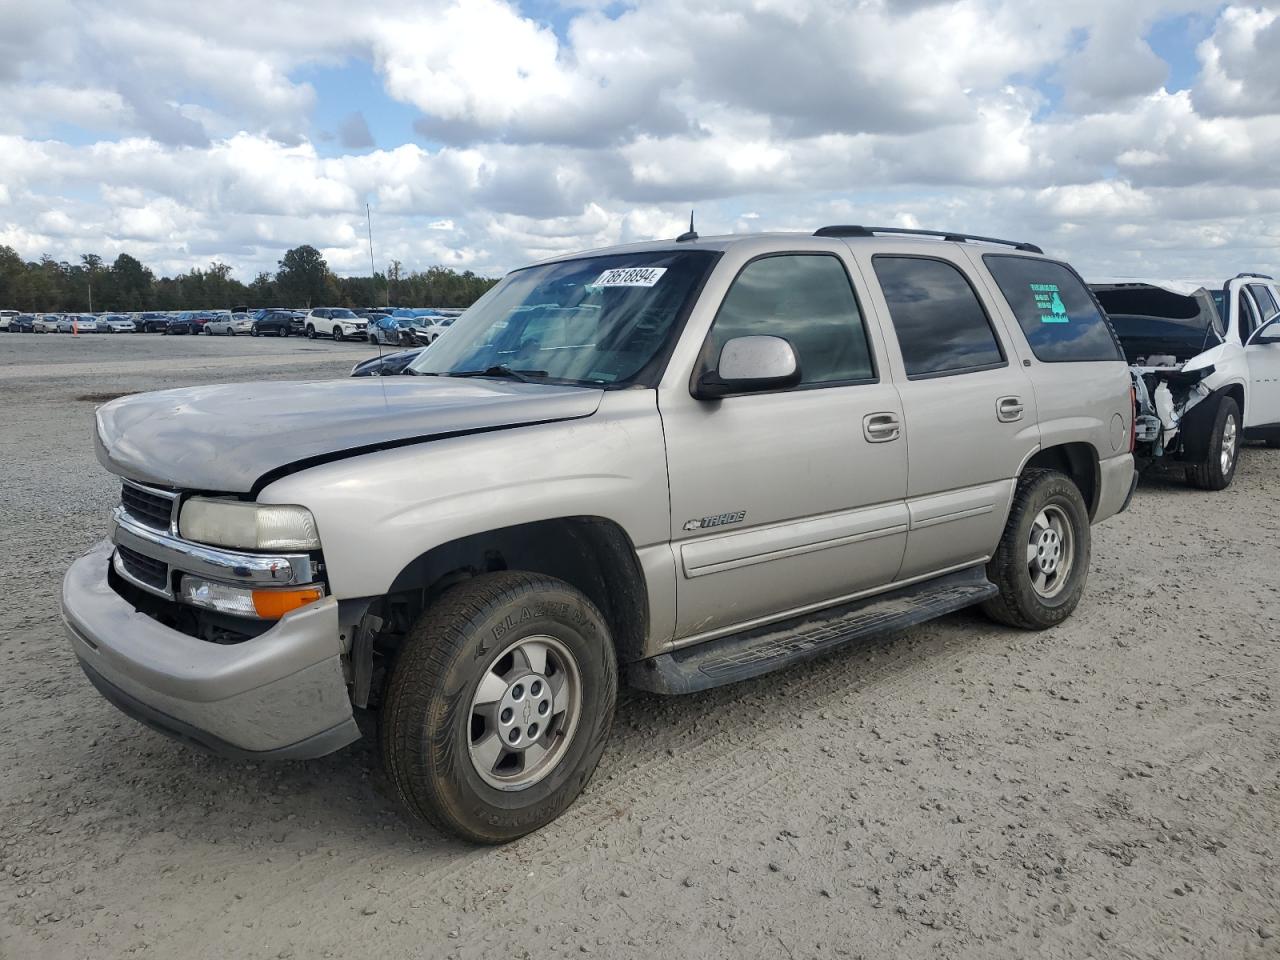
1049,303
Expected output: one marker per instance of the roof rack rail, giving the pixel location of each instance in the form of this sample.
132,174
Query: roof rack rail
1260,276
858,231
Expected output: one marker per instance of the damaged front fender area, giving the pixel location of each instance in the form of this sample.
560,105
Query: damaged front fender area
1167,398
1197,425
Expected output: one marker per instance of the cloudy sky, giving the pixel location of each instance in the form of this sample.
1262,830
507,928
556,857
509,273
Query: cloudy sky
1133,137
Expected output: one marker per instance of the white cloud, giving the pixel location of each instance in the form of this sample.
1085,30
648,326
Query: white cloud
1241,61
197,135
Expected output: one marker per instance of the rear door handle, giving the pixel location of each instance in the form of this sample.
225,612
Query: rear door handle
881,427
1009,409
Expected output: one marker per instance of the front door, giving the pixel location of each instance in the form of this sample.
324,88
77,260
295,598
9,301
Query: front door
787,499
1262,354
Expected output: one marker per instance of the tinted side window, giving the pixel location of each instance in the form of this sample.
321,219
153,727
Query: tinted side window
1248,315
1055,311
940,323
1266,302
806,298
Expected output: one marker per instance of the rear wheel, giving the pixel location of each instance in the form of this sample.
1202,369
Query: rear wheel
1274,444
1042,562
499,705
253,331
1218,468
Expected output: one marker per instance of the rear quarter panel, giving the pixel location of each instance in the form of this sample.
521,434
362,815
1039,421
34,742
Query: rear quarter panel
1076,401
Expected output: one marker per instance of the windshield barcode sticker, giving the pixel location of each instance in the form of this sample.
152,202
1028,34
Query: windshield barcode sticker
629,277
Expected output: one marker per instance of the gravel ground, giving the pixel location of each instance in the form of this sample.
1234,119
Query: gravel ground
1109,788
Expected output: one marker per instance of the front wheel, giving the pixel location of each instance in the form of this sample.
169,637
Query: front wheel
337,334
311,332
1218,468
253,331
499,705
1042,562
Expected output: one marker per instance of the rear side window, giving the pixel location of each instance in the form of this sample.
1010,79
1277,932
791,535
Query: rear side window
1061,321
941,326
807,299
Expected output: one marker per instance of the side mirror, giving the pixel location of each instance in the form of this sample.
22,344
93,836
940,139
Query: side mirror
750,365
1269,332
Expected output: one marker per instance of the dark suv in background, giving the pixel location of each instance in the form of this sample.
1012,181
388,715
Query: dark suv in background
278,323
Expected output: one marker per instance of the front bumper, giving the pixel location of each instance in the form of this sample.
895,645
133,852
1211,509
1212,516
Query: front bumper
280,695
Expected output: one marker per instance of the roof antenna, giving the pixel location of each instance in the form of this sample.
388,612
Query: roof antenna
689,234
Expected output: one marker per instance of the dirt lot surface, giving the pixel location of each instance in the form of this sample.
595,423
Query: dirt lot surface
1109,788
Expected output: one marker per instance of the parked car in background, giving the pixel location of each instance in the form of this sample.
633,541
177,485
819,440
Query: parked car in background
437,324
398,331
1204,377
153,322
22,323
46,323
78,323
229,324
274,323
181,323
679,464
116,323
372,313
337,322
6,318
390,365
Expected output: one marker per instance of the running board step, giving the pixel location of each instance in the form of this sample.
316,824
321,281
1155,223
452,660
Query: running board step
741,656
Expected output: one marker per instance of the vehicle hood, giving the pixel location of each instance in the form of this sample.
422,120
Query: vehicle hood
227,437
1181,288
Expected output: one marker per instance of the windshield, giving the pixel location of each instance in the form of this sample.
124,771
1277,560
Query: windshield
596,320
341,313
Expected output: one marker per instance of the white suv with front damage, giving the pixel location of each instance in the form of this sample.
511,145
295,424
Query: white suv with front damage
1206,367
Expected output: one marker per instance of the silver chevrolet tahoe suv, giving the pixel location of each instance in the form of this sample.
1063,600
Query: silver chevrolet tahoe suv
679,463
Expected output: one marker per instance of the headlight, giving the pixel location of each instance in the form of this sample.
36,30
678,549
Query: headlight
250,526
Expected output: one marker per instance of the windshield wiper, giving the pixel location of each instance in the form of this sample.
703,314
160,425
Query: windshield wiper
502,370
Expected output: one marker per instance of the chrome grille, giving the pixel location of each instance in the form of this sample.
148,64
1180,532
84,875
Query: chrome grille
154,573
148,506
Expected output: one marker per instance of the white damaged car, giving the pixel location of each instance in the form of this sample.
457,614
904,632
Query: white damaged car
1205,360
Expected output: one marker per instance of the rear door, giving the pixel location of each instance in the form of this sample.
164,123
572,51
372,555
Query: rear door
969,407
790,499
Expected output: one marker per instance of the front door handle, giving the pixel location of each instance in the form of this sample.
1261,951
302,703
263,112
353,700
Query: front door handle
881,427
1009,409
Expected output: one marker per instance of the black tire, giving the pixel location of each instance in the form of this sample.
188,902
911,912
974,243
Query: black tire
1019,603
285,331
373,339
1210,474
253,331
426,720
311,332
1274,444
338,335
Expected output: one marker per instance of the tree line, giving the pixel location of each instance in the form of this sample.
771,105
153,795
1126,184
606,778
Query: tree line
302,280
